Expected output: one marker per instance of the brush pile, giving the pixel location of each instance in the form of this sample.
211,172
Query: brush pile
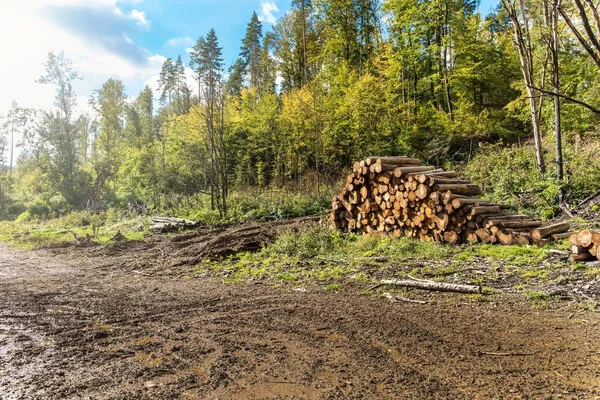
399,197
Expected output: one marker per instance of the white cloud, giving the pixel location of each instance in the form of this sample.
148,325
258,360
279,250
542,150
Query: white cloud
180,41
26,37
140,18
267,10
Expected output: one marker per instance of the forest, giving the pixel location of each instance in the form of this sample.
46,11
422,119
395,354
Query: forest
509,99
378,199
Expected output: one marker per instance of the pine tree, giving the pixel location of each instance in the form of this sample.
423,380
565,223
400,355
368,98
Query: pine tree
181,89
210,70
251,50
166,83
236,78
195,60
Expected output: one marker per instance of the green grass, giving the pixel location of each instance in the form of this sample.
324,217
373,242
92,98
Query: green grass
327,257
512,255
257,204
539,299
58,232
32,229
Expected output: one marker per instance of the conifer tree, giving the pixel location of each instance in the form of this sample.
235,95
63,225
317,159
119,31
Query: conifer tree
251,50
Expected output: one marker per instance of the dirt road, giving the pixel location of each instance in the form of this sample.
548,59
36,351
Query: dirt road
74,328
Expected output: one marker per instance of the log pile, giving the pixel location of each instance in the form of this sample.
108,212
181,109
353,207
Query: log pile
584,245
170,224
399,197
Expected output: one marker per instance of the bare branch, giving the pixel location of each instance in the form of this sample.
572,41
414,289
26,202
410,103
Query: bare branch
567,98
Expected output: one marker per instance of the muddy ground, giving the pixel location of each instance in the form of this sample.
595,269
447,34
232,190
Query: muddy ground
128,322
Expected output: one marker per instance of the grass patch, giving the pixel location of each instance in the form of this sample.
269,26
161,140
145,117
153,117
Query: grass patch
319,254
512,255
539,299
592,272
59,231
333,287
535,273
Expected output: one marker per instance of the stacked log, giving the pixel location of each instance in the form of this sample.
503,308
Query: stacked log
170,224
584,245
398,196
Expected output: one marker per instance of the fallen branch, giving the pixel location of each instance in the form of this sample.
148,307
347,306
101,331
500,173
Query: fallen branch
434,286
588,199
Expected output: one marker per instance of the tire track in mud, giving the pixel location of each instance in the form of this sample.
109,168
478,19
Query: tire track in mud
70,330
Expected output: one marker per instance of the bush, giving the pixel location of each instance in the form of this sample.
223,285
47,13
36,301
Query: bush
509,175
318,240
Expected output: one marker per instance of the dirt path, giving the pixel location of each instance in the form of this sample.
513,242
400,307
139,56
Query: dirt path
71,328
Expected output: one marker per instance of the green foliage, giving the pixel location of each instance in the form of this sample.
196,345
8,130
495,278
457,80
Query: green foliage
271,205
432,80
508,175
307,244
30,231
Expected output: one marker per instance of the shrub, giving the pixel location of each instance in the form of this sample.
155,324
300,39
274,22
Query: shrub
305,244
509,175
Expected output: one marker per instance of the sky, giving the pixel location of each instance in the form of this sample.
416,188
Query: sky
122,39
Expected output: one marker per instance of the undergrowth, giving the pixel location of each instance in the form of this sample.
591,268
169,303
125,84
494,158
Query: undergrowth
29,234
328,257
36,226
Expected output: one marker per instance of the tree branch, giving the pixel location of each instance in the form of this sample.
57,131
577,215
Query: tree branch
568,98
587,46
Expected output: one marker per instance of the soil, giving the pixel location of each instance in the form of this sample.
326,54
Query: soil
127,321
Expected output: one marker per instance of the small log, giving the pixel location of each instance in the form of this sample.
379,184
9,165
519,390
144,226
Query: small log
547,231
560,236
505,238
580,257
470,237
483,235
378,168
400,161
446,174
594,249
441,220
464,189
578,249
451,237
573,239
518,224
485,210
521,238
422,191
400,171
428,173
434,286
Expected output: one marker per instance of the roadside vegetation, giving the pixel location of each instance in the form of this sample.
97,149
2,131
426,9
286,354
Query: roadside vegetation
38,226
322,259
